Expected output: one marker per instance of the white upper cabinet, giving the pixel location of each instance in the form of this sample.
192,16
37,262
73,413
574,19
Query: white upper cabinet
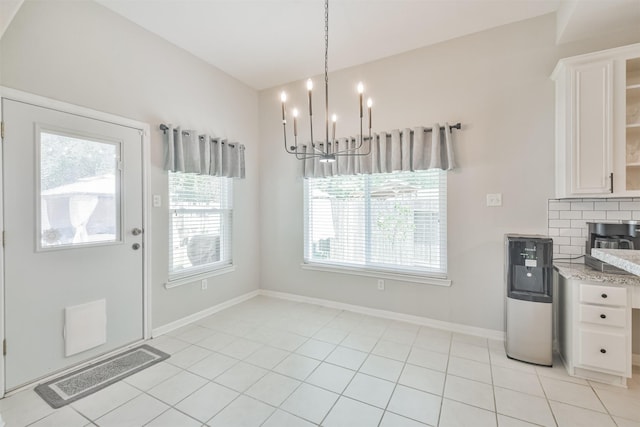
598,124
632,124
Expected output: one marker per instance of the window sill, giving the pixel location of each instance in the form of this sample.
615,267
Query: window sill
192,279
401,277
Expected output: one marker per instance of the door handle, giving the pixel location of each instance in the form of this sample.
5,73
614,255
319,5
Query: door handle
136,231
135,246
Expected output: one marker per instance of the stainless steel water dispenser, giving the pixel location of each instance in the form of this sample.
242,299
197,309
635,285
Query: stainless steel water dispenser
529,314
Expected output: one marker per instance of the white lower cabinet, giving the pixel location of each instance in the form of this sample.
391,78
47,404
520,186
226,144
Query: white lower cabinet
594,329
602,350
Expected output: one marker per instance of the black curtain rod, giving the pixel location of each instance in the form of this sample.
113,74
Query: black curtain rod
164,128
458,125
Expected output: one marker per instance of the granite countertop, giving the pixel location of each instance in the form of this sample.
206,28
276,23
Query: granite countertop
626,259
579,271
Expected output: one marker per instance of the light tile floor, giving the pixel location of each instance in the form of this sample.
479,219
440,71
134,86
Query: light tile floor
275,363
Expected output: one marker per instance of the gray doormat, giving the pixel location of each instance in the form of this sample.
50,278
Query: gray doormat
83,382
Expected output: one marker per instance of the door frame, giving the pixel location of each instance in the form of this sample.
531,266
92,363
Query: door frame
145,132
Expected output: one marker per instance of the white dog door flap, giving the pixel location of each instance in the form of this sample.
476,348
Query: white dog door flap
85,326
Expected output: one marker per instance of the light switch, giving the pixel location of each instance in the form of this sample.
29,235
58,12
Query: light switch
494,199
157,201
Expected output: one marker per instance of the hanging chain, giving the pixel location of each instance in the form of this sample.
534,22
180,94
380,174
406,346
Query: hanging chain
326,41
326,72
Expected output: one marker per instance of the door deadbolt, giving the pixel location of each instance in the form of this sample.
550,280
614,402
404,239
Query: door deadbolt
136,231
135,246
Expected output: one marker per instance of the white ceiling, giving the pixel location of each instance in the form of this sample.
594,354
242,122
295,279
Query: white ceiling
265,43
269,42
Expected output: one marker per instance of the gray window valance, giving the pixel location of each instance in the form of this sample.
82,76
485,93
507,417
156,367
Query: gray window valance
188,152
397,150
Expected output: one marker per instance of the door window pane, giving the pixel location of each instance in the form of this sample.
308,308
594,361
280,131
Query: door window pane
79,191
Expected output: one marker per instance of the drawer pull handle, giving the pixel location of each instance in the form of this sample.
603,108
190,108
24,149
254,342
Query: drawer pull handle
603,316
603,295
603,351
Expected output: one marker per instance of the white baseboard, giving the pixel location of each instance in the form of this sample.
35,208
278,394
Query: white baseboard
635,359
392,315
202,314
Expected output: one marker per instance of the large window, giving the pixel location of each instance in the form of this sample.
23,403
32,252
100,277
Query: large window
200,224
393,222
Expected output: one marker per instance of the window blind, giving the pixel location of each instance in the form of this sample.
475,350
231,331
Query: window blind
200,223
389,222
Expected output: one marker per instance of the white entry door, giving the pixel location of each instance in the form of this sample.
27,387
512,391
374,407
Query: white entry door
73,239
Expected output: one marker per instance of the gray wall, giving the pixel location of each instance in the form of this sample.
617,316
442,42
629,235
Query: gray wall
82,53
497,84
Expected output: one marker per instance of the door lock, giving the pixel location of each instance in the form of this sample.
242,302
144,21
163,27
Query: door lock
136,231
135,246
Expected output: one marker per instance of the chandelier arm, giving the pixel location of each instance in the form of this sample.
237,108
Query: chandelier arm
286,147
305,156
350,155
361,136
308,157
317,150
352,152
290,150
313,144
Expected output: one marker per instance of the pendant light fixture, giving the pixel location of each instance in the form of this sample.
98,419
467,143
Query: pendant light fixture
326,151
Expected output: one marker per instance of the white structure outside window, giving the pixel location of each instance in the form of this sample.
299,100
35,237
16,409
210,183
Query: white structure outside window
200,210
392,222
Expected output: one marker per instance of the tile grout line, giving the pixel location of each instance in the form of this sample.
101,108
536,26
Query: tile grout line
446,374
354,375
493,386
357,327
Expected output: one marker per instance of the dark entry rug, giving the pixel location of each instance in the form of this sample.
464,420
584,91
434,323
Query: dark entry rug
83,382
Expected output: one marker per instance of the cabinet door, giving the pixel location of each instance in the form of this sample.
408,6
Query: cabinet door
602,351
627,103
603,295
591,128
605,316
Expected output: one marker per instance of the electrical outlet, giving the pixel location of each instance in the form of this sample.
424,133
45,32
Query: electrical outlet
380,285
157,201
494,199
204,284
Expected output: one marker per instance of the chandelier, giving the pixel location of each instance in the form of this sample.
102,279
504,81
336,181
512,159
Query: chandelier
327,151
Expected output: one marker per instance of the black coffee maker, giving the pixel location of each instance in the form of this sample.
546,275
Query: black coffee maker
610,236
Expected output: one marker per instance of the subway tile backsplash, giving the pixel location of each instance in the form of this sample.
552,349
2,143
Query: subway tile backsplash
568,218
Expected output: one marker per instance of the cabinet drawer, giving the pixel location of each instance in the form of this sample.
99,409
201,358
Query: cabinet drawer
605,295
607,316
602,351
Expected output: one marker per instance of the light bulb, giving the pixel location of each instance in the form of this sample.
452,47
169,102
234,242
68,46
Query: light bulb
295,112
283,96
360,88
334,119
309,84
369,103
